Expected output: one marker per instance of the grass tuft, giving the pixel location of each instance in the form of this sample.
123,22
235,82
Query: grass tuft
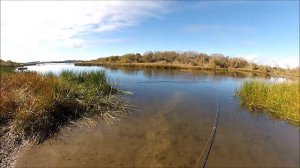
281,100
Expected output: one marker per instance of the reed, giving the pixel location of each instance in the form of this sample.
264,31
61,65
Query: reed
280,100
36,106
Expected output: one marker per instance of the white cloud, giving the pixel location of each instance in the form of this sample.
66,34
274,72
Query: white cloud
32,29
283,62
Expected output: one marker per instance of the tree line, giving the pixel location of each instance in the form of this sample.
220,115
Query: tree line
193,58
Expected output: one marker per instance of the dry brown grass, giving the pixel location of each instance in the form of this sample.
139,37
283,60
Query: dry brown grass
36,106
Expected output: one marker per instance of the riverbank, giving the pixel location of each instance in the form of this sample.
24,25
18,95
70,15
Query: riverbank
182,66
35,107
280,100
191,60
8,64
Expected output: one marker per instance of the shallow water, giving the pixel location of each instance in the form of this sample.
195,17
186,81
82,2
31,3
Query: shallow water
171,126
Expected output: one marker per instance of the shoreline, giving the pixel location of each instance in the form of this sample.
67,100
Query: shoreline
10,146
35,107
180,66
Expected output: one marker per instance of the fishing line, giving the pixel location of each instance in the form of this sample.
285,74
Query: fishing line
210,140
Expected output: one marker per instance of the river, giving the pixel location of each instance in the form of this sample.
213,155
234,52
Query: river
173,115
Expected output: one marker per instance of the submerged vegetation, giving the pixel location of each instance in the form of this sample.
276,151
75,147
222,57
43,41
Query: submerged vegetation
190,60
281,100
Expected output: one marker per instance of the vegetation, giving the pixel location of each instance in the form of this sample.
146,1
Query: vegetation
6,69
281,100
194,60
7,66
35,106
8,63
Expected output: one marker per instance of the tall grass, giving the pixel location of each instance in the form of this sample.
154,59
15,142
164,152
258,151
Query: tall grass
35,106
281,100
6,69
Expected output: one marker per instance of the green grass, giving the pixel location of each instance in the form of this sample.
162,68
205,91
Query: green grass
280,100
7,69
36,106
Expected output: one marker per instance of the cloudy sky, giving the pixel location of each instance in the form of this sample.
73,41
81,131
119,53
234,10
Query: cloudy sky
263,32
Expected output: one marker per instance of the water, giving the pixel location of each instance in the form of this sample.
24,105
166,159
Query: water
171,126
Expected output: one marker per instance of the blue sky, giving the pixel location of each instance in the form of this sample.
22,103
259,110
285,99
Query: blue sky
264,32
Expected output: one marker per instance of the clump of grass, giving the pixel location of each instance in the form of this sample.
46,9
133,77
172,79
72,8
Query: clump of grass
281,100
36,106
6,69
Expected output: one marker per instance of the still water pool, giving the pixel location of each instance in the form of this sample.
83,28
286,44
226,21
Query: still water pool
170,126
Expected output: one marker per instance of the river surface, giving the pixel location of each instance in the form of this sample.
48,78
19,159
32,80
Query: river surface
170,125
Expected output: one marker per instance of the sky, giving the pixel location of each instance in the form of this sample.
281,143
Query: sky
264,32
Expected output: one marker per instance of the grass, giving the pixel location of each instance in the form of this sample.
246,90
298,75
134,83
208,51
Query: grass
280,100
36,106
6,69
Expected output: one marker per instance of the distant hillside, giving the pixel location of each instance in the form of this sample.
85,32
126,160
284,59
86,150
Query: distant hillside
8,63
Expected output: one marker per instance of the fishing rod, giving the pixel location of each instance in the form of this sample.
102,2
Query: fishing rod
210,140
